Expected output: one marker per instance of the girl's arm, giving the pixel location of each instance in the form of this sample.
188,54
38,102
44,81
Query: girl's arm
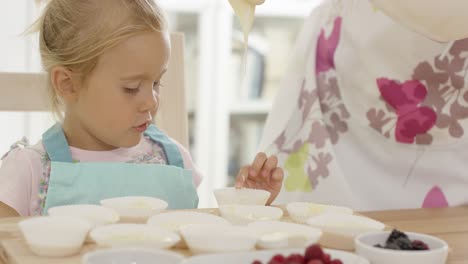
19,182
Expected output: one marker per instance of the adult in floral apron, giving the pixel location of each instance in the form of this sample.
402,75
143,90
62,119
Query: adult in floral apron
373,111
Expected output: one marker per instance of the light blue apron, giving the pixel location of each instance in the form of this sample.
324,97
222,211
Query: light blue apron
89,182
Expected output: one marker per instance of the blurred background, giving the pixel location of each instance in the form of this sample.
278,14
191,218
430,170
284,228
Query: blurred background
228,104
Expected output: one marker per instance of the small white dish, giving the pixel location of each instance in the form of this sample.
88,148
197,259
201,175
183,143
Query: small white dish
216,239
135,209
174,221
277,234
437,253
339,230
265,255
300,212
243,196
55,236
245,214
131,256
95,214
137,235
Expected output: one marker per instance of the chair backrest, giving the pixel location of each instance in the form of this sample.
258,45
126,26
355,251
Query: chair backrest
27,92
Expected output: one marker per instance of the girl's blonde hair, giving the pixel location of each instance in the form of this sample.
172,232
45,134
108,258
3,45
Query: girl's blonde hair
74,33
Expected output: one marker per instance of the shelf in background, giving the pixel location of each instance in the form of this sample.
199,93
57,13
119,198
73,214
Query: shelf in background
184,6
287,8
231,122
251,108
272,8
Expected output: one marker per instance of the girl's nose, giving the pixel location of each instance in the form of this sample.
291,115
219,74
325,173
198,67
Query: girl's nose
150,101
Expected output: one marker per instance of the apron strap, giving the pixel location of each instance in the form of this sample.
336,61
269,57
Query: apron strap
171,150
56,144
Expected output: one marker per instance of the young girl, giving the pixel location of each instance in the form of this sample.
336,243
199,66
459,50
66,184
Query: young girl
105,60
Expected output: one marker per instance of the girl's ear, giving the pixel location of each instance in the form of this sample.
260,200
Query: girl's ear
64,84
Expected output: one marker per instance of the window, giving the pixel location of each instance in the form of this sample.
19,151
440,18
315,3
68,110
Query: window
19,53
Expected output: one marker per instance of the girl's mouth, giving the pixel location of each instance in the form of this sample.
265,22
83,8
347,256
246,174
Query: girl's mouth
141,128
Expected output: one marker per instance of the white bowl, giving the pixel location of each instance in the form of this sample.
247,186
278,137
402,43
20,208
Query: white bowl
174,221
245,214
136,209
216,239
437,253
131,256
134,235
54,236
265,256
300,212
276,234
339,230
241,196
95,214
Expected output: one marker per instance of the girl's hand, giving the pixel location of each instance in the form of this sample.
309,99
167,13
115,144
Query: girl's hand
263,174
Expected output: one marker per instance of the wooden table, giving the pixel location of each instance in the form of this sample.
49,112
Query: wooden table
449,224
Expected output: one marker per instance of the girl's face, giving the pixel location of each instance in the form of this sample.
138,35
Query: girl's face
120,97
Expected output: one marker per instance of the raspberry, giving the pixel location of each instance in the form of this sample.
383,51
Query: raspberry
278,259
313,252
257,262
326,258
315,261
336,261
419,245
295,259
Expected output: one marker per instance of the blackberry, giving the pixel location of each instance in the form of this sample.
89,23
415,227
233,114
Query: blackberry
396,234
392,245
403,243
398,240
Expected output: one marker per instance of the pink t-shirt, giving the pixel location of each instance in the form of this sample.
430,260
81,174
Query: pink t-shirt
24,172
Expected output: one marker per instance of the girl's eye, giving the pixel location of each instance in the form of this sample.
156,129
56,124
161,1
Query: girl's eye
132,90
